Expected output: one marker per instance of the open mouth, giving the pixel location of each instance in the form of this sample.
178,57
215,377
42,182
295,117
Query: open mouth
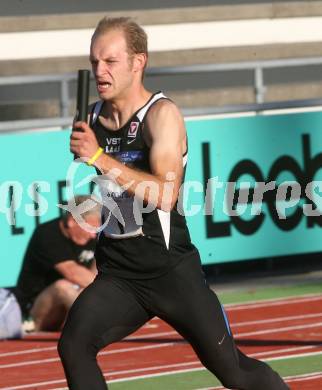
103,86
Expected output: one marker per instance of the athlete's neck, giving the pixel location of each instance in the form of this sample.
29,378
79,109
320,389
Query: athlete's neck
116,113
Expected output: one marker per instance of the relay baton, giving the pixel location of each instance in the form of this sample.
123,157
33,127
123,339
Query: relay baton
82,97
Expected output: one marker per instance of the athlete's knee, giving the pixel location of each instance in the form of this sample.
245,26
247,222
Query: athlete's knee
224,365
234,378
69,346
65,348
231,379
65,292
75,352
62,287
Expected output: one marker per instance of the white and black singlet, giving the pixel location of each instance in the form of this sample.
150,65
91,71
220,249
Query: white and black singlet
136,244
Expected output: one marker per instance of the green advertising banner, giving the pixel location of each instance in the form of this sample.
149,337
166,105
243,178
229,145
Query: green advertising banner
252,188
285,149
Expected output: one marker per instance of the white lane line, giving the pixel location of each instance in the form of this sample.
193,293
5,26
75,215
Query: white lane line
150,336
294,378
284,350
183,370
107,374
28,351
56,359
236,335
203,388
129,338
274,302
276,330
171,333
34,385
277,319
292,356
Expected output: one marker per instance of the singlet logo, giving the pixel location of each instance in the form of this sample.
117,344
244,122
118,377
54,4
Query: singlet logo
113,145
134,127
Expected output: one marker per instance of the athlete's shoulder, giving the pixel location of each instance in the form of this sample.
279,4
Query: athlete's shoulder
162,109
164,121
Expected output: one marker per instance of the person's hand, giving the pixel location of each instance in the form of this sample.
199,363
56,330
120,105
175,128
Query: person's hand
83,142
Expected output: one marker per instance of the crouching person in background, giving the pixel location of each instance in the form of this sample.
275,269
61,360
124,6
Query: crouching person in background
58,264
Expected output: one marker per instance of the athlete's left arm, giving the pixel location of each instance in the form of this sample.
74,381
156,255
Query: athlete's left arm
165,135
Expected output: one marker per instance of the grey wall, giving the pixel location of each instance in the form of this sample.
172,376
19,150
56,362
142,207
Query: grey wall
42,7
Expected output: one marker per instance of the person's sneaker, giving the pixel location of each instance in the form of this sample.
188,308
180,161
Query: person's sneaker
28,325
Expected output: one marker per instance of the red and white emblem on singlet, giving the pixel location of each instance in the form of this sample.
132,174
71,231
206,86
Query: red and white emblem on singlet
134,127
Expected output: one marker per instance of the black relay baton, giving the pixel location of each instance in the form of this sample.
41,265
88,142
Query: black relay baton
82,97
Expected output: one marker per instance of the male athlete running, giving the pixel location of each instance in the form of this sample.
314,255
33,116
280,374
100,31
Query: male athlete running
147,265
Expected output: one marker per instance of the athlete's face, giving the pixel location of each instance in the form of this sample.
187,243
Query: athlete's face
112,65
79,235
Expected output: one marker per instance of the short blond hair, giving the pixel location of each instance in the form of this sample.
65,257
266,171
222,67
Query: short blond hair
136,38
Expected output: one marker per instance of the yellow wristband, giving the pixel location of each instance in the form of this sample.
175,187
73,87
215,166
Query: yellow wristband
95,157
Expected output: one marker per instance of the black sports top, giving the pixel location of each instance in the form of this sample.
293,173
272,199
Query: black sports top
135,243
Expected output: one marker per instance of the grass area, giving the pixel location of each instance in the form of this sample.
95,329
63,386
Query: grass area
269,293
203,378
297,366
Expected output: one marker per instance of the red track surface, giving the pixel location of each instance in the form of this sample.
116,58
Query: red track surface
265,330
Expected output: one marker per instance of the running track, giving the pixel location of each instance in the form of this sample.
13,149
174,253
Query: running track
271,329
